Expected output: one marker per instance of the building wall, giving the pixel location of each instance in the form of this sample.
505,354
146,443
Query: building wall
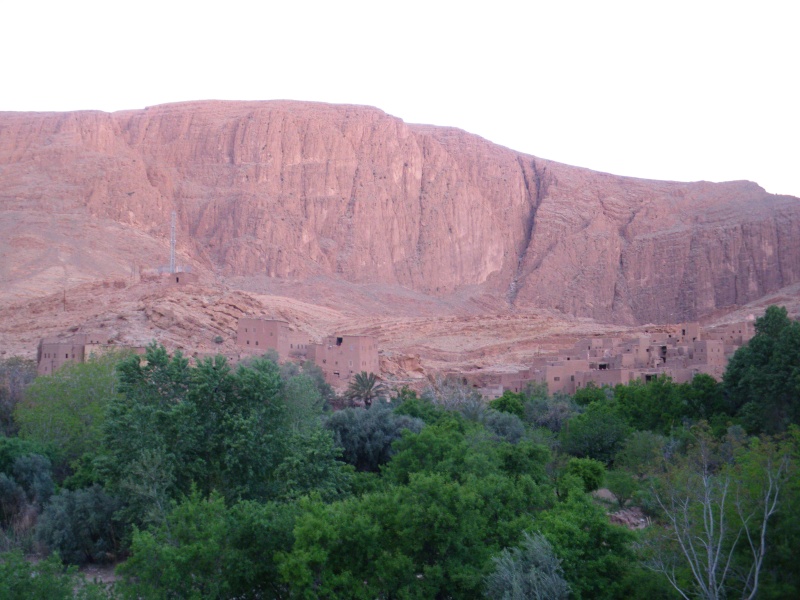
679,351
54,353
340,357
257,336
735,334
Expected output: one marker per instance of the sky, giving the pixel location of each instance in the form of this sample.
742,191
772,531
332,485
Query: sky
678,90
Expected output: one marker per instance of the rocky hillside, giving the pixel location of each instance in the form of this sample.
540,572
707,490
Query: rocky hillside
347,194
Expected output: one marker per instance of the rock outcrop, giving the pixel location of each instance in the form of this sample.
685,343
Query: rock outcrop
300,191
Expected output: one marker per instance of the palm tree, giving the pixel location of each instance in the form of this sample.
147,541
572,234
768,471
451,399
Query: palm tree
365,386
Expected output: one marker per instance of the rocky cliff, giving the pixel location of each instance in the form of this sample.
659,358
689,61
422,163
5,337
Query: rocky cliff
300,191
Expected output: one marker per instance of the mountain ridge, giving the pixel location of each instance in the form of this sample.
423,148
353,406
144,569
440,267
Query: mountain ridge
296,190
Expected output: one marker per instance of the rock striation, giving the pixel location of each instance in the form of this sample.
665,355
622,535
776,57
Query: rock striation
299,191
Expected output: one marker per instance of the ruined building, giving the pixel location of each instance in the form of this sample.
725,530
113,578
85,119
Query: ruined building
53,353
342,357
255,335
679,352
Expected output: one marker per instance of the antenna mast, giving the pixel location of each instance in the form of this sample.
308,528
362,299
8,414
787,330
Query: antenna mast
172,245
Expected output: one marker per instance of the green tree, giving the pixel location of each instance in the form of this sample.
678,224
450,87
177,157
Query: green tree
718,508
16,374
82,526
431,538
598,433
366,436
762,380
47,579
596,555
66,410
642,453
304,402
657,405
590,471
704,397
174,427
311,465
509,402
622,485
366,388
207,550
591,393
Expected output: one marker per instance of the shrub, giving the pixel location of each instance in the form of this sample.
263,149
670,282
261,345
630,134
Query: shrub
21,579
590,471
509,402
12,499
591,393
622,485
504,425
366,436
81,526
551,413
529,571
598,433
34,474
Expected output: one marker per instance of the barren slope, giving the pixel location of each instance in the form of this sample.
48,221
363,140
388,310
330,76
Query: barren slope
343,217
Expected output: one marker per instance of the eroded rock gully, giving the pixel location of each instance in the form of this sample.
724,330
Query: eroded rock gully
304,191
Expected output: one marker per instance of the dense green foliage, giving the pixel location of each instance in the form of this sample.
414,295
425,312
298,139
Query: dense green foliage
46,580
216,482
366,436
763,378
82,526
16,374
66,411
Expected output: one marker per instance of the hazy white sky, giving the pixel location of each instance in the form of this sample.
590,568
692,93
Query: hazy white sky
665,90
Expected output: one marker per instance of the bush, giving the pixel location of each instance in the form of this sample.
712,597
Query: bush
550,413
591,393
15,375
81,526
21,579
12,499
504,425
622,485
509,402
531,571
366,436
34,474
207,550
590,471
598,433
47,579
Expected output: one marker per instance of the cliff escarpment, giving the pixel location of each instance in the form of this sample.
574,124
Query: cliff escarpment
300,191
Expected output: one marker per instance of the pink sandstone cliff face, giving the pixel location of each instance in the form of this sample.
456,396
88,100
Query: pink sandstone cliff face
301,190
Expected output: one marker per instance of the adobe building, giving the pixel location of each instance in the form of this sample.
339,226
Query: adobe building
255,335
679,352
341,357
54,353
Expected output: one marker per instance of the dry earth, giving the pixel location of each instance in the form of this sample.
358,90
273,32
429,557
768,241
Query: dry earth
454,252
